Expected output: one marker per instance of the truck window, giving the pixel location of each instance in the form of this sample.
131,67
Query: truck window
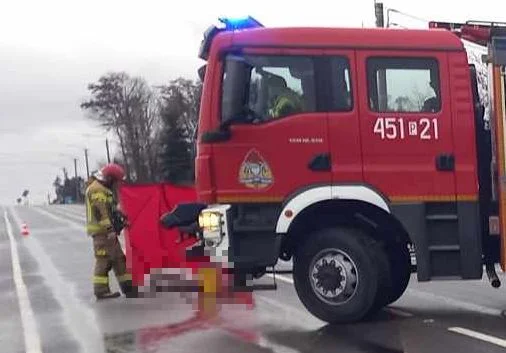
403,85
263,88
342,98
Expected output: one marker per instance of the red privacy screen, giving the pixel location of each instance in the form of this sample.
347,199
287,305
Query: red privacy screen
148,245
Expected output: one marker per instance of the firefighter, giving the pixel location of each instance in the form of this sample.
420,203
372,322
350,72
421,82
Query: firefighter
101,208
432,104
284,101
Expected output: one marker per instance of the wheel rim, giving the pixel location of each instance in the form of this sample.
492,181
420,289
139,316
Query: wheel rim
333,276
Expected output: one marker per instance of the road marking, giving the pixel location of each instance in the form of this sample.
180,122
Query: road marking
42,231
426,295
281,278
30,332
290,310
275,347
454,302
72,224
58,212
78,212
478,335
398,312
280,305
79,319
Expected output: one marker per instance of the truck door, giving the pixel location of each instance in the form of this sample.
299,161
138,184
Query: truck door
408,151
278,131
406,125
344,128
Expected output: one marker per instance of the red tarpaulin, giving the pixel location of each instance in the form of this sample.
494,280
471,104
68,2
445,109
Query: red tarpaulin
148,245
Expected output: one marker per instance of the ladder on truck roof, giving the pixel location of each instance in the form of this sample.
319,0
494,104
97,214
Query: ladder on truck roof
493,36
480,32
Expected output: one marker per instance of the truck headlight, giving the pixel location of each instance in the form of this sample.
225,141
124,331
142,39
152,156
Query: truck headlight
210,221
213,224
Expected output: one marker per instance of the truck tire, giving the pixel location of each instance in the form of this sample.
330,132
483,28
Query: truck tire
385,280
400,266
336,274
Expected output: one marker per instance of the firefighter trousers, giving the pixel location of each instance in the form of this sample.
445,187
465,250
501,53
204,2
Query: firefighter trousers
109,255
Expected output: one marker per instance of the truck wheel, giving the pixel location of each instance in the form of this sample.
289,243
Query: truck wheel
400,266
335,274
385,281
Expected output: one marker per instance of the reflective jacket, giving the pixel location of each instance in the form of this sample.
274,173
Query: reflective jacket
99,205
286,103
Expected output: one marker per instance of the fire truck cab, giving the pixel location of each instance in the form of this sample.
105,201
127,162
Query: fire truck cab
342,149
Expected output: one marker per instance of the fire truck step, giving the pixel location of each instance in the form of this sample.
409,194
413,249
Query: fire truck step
262,286
442,217
444,248
281,272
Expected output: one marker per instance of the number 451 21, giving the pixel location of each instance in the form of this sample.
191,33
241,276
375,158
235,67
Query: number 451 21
397,128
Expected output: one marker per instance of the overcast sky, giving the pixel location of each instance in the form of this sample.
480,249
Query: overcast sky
50,50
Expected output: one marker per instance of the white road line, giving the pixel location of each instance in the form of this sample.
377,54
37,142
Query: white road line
30,332
59,212
71,224
289,310
398,312
41,231
478,335
454,302
79,319
67,209
280,305
429,296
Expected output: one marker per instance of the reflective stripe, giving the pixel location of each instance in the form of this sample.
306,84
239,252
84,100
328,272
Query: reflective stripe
100,279
102,196
93,228
125,277
90,228
101,252
284,101
105,223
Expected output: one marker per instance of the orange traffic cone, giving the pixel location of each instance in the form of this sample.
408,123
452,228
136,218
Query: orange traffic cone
24,229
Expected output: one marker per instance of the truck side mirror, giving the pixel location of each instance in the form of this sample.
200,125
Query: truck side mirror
234,92
202,72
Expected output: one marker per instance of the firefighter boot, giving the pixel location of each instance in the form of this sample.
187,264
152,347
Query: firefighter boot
109,295
128,289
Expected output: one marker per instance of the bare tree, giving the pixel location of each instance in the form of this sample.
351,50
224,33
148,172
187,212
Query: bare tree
420,97
404,104
127,106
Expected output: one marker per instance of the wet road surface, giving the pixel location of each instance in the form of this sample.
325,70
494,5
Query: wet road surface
46,305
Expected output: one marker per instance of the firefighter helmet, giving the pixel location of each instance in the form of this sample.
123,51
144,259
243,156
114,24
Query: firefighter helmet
112,171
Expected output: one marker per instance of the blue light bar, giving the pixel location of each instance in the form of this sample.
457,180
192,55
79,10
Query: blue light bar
239,23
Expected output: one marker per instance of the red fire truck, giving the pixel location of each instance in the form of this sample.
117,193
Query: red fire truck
342,149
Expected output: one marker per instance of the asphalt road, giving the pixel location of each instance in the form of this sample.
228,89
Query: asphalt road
46,305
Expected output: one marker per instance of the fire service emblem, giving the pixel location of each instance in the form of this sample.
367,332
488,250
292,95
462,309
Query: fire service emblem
255,173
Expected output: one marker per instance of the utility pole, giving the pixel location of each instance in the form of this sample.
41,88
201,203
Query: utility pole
107,148
87,166
76,181
378,10
382,75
